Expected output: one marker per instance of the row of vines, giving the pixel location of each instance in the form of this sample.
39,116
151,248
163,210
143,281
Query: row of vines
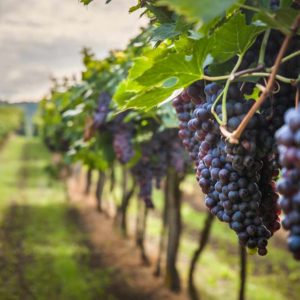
10,120
209,88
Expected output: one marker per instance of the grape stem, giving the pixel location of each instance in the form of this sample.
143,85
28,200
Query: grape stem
235,135
262,52
225,91
242,73
213,108
278,77
250,73
248,7
297,96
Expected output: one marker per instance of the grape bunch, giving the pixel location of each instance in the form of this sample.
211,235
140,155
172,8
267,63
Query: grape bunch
229,174
242,189
288,139
269,209
169,152
122,142
161,152
102,110
142,171
184,105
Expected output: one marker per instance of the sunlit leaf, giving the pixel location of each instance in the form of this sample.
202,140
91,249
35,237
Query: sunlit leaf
204,10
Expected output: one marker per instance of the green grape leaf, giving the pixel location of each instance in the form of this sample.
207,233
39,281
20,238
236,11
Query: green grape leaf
204,10
165,76
164,31
126,90
129,87
281,20
175,65
148,98
146,61
179,65
224,68
234,37
161,15
135,8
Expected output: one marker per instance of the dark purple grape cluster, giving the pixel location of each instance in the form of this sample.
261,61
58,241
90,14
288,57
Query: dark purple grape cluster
288,139
102,110
158,148
162,152
229,174
269,209
122,142
243,189
184,105
143,173
207,133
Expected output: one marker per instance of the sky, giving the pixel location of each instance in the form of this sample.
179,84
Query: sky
43,38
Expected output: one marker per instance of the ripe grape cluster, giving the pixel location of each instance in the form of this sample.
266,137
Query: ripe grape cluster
269,209
161,152
102,110
184,108
288,139
122,142
143,173
229,174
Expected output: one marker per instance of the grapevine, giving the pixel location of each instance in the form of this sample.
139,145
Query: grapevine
213,93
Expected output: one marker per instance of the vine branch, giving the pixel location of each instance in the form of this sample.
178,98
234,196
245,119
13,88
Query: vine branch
235,135
225,91
250,73
214,105
278,77
262,52
297,96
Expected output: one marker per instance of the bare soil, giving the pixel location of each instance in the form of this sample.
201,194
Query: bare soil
131,279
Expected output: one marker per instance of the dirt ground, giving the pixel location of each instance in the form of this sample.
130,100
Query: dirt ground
131,279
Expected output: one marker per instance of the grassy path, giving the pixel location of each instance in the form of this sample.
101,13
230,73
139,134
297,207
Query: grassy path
43,252
46,252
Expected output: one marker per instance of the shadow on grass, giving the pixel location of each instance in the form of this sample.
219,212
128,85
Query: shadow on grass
45,254
41,258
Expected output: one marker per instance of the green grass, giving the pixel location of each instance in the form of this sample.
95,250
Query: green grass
44,253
